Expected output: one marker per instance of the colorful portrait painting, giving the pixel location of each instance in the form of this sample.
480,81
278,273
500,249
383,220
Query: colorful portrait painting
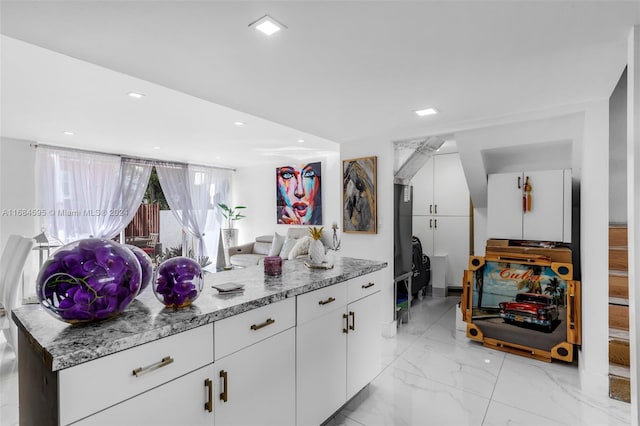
299,194
359,195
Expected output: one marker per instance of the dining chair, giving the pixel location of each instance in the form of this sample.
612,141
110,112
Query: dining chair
8,252
13,284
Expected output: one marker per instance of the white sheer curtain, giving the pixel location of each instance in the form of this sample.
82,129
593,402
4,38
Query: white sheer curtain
191,193
85,194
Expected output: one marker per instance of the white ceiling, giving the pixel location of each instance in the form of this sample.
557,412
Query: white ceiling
344,72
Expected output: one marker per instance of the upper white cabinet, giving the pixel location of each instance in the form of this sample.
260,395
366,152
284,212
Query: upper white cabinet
440,187
441,214
530,206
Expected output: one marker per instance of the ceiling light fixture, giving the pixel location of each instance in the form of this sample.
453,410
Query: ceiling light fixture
300,140
238,123
156,147
136,95
267,25
426,111
68,133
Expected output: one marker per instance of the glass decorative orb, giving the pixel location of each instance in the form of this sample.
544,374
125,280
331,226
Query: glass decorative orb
88,280
145,264
178,282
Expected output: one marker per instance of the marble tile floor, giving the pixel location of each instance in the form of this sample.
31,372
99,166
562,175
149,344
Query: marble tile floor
433,375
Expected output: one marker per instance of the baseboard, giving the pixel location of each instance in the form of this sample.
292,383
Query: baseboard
439,292
389,329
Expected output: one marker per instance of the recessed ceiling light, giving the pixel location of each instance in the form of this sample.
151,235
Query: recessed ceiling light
68,133
217,157
267,25
238,123
135,95
156,147
300,140
426,111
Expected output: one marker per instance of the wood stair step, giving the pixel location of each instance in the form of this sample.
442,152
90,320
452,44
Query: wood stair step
619,383
619,258
620,301
618,236
619,284
619,317
619,352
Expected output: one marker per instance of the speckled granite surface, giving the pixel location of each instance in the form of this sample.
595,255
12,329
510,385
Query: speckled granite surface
62,345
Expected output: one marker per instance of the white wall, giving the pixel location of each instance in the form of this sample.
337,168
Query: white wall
255,188
376,246
17,191
618,153
633,194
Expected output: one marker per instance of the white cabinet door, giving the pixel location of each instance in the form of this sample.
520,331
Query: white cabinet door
259,382
321,345
451,237
450,191
363,343
423,229
422,184
504,206
541,215
179,402
544,220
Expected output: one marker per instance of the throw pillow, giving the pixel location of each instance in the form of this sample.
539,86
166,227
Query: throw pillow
301,247
288,244
276,244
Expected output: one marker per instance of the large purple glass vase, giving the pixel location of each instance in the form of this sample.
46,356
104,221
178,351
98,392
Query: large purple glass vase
89,280
145,264
178,282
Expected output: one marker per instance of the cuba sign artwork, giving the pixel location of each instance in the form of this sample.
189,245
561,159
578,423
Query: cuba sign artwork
526,306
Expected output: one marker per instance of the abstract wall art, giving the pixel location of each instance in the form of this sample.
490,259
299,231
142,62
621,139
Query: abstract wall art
299,194
359,197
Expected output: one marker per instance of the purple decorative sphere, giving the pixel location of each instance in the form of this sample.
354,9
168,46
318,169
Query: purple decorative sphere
178,282
145,263
89,280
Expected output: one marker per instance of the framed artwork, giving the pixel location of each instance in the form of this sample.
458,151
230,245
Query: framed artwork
299,194
359,196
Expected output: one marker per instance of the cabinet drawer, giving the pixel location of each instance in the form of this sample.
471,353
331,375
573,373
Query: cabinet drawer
95,385
364,285
316,303
247,328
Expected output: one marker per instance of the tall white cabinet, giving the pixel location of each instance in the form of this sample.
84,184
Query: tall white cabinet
541,214
441,217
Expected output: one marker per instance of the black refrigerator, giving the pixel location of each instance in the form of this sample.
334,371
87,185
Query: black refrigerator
403,229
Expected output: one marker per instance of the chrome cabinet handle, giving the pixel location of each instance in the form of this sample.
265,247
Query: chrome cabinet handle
368,285
353,320
143,370
430,208
209,404
346,327
430,223
435,224
329,300
269,321
224,396
435,209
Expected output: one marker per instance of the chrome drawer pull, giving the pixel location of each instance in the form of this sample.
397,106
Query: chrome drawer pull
368,285
269,321
162,363
329,300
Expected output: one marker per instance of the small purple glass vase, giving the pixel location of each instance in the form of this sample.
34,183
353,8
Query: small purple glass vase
145,263
273,265
178,282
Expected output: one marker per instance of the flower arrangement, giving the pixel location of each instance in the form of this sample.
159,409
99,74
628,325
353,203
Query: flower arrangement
231,214
178,282
89,280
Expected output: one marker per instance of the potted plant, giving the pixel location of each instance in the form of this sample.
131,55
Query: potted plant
316,248
230,234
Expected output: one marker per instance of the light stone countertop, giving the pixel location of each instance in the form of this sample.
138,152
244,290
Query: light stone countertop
61,345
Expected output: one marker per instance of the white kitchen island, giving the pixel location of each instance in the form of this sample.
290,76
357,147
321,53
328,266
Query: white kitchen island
289,350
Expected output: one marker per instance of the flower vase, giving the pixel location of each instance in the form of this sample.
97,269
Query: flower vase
229,239
316,252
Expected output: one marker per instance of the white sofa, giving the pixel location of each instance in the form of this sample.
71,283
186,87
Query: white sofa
254,252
